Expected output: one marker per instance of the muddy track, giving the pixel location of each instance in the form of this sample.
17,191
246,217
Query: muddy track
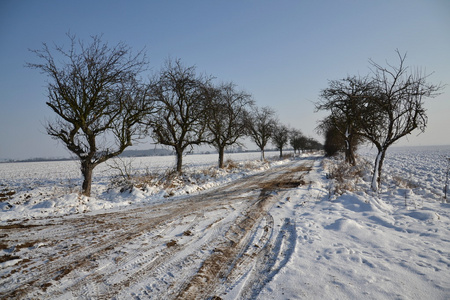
211,237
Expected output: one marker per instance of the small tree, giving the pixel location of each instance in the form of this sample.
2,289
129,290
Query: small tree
225,112
345,100
395,108
311,144
295,139
98,100
303,143
260,124
333,141
280,137
180,99
333,129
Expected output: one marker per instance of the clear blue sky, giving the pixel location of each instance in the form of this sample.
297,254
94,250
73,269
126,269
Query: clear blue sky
282,52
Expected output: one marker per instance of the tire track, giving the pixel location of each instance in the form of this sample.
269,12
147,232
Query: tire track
211,277
269,263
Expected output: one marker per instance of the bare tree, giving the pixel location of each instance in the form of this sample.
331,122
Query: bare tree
295,139
395,109
225,111
98,100
304,143
260,123
333,139
345,100
280,137
180,97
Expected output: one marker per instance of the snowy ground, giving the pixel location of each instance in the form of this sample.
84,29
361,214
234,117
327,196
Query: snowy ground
259,231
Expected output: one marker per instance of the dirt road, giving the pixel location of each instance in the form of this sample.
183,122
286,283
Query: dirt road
195,247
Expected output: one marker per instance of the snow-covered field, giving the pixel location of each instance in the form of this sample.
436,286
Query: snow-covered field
262,231
422,169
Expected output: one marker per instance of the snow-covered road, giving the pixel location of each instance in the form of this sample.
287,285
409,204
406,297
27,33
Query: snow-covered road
218,243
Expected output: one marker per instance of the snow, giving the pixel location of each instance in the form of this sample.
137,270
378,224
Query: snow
310,244
358,245
45,189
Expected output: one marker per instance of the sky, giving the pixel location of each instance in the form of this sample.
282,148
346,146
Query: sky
282,52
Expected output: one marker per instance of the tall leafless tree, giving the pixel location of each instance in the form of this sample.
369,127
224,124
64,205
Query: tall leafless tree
181,97
280,137
260,123
225,112
396,108
98,100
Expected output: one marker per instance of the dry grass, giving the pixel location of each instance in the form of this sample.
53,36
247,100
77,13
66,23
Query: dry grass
287,156
171,181
230,164
401,182
167,179
345,176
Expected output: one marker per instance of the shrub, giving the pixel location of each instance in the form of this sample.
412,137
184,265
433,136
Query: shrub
345,176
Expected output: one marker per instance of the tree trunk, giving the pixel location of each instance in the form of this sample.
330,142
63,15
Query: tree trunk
221,155
349,153
350,156
281,152
262,154
179,153
86,170
376,178
380,165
